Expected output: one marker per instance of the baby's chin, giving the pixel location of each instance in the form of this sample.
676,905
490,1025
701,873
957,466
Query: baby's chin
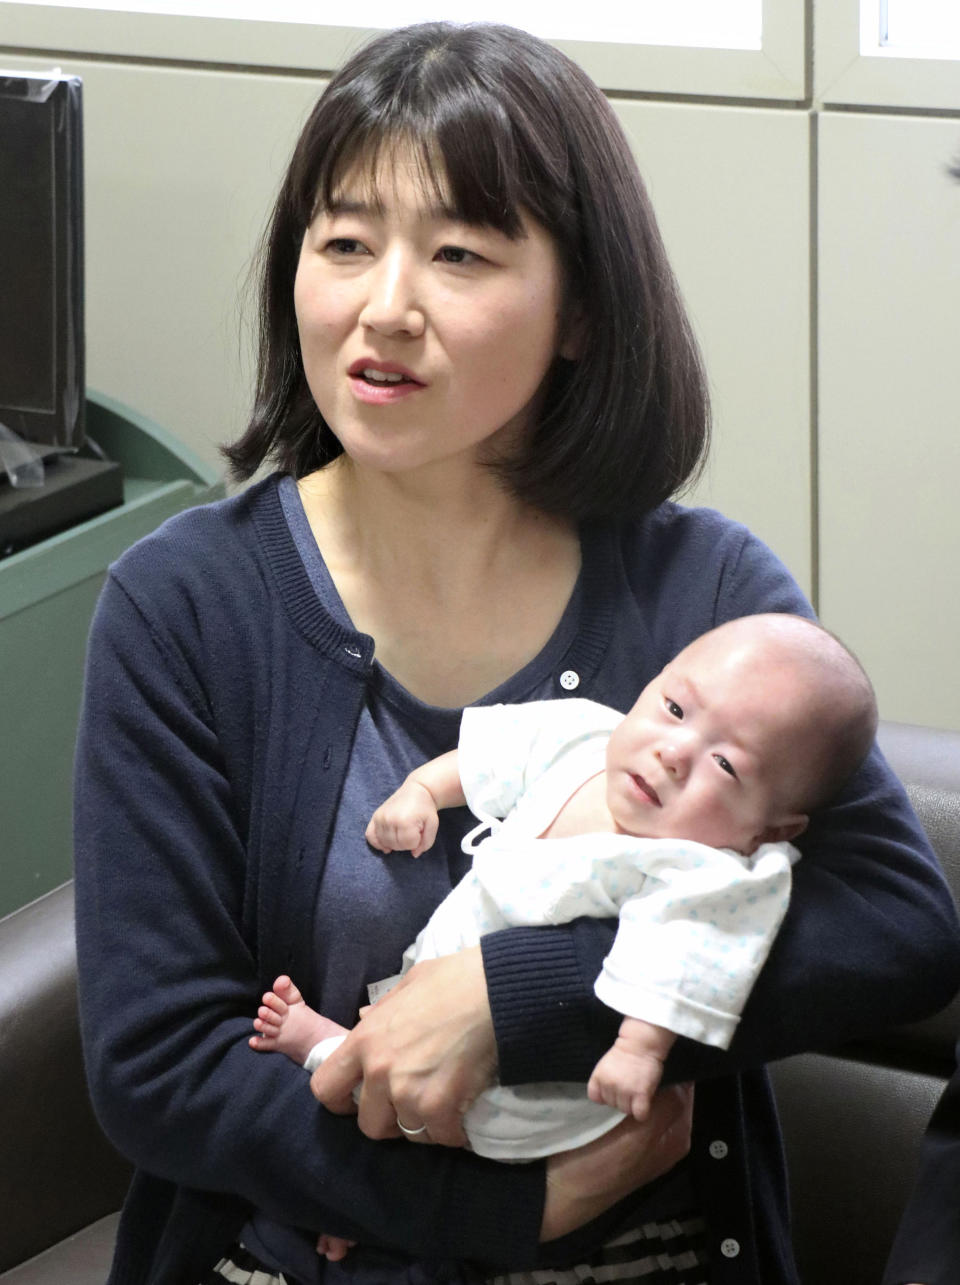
709,836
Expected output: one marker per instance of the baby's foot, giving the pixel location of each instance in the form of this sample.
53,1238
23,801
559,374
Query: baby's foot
334,1248
287,1024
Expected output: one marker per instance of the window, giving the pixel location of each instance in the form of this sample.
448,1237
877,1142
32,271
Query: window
888,53
747,49
735,24
910,28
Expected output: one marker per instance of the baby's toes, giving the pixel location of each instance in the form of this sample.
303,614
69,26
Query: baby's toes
286,992
273,1003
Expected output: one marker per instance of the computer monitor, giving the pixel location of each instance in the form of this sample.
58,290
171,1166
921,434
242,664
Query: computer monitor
41,258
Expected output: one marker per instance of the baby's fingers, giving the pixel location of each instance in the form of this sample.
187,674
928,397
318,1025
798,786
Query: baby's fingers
428,834
395,832
382,833
375,833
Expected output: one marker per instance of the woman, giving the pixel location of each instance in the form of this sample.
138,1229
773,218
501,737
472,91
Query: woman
479,388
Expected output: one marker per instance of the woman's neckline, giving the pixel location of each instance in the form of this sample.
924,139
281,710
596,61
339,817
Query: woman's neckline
578,637
456,610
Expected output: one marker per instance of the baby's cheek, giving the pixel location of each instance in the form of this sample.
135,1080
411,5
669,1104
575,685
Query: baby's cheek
723,821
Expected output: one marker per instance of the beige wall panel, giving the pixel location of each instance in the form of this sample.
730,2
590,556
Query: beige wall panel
889,408
731,190
777,71
181,167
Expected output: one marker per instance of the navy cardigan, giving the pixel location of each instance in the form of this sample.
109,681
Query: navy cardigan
218,715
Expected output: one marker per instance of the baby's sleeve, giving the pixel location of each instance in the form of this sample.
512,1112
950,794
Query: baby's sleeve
503,749
689,948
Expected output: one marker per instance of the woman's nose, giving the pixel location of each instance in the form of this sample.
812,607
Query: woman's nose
391,306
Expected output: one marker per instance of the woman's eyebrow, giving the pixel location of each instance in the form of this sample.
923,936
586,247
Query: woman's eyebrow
350,205
435,212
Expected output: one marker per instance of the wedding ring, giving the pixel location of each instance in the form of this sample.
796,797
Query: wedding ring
411,1133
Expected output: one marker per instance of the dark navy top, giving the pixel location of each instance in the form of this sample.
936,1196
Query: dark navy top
222,705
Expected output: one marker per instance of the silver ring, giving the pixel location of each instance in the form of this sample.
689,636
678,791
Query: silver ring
411,1133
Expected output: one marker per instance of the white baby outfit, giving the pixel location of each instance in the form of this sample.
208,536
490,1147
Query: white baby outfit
696,923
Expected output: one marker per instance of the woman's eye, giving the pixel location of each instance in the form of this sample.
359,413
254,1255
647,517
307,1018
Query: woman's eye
673,709
456,254
725,765
345,245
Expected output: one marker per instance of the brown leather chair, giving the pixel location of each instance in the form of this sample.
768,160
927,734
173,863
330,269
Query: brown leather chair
59,1177
852,1120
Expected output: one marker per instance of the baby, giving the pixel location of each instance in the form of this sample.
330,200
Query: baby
676,818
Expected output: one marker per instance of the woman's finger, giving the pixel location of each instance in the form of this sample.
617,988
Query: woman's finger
334,1080
414,1133
423,1052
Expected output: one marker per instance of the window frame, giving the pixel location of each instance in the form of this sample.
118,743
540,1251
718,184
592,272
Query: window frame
846,77
777,71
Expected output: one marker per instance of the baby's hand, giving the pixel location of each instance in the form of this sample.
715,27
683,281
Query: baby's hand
629,1074
406,822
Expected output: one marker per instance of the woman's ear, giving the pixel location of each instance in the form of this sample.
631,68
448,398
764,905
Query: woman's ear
573,336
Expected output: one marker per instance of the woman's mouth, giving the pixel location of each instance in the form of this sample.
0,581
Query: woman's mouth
385,377
381,384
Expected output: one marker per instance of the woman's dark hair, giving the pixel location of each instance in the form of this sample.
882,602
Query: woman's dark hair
504,124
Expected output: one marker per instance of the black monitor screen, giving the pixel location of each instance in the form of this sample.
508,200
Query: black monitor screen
28,260
41,297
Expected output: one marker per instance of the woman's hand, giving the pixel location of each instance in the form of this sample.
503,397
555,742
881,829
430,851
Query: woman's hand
422,1054
585,1183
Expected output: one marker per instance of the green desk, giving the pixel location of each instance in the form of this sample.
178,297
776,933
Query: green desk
47,597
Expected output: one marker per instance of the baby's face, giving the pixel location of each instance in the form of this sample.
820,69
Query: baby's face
708,752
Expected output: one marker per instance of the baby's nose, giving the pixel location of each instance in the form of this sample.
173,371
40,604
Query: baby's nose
674,758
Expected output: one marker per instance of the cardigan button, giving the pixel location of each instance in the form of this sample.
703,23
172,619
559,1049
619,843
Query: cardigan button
718,1149
730,1248
569,680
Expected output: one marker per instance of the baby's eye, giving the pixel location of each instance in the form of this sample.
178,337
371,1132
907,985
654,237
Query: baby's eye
456,254
725,765
673,709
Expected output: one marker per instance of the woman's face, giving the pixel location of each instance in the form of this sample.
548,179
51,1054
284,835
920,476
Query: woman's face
423,338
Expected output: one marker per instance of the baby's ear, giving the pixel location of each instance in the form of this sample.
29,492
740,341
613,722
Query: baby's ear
783,831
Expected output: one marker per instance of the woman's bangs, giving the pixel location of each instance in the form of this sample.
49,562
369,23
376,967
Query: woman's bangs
462,167
478,155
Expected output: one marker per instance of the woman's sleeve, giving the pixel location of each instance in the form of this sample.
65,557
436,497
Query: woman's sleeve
169,984
870,937
927,1246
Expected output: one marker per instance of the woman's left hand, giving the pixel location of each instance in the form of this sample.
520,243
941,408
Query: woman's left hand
421,1054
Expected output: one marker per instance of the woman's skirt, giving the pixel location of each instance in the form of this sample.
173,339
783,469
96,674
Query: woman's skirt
659,1253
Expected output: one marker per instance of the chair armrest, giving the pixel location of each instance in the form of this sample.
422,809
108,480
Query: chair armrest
927,761
57,1171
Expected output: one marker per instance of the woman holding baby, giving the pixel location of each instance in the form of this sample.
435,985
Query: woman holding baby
478,389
